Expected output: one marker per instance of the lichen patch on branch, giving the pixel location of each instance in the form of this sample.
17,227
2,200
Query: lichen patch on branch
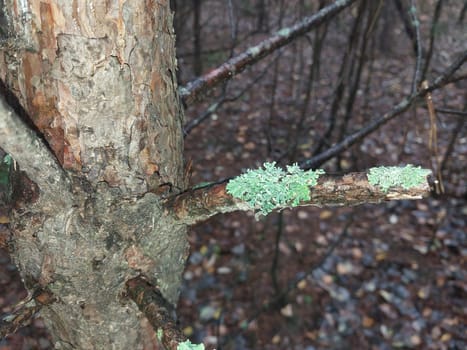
406,177
268,188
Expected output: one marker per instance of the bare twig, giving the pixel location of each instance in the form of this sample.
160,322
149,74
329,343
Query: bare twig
338,241
398,109
313,75
197,61
193,90
406,21
275,258
455,133
433,141
354,79
462,13
272,108
460,77
350,140
451,111
192,124
224,99
417,77
434,25
447,76
341,83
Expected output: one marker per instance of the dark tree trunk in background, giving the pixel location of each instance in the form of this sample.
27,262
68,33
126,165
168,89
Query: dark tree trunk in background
98,81
262,22
197,61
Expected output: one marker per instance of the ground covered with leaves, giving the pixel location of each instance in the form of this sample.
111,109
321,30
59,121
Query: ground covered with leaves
376,277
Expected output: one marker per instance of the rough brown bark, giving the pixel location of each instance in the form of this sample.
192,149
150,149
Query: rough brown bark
98,80
93,77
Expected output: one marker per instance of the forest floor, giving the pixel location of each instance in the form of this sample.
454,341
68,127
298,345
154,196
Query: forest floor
388,276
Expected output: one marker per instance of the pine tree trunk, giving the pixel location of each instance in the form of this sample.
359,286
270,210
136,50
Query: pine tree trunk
97,79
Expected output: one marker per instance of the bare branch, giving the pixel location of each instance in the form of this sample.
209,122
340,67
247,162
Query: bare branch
451,111
433,29
157,310
223,99
455,133
197,205
194,90
33,156
417,77
340,89
439,82
447,76
324,156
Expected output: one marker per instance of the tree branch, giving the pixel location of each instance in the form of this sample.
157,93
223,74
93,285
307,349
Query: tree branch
439,82
451,111
417,76
223,99
199,204
157,310
33,156
194,90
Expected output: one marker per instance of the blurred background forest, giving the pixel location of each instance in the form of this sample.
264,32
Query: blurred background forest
370,277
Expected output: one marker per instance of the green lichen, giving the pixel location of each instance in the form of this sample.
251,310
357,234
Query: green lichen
186,345
160,333
406,177
254,51
284,32
5,166
268,188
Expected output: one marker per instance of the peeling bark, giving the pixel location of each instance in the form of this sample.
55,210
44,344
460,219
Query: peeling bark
93,77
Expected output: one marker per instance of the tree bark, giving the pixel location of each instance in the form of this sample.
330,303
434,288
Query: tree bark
98,81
